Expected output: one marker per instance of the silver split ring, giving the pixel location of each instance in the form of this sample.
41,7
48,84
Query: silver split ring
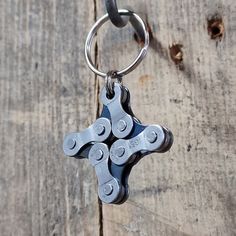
110,79
92,33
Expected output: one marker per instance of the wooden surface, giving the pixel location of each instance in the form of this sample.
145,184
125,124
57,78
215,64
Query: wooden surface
47,90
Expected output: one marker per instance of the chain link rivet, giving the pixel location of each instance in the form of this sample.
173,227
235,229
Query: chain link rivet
122,125
108,189
151,136
99,129
71,143
97,154
120,151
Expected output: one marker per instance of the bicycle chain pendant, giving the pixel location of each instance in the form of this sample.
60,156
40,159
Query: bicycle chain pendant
117,140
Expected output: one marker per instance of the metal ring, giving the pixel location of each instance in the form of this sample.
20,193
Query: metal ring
114,15
110,79
92,33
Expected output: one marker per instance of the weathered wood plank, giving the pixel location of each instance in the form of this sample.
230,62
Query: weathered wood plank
191,189
46,91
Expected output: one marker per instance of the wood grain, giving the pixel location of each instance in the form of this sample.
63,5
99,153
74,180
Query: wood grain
47,90
191,189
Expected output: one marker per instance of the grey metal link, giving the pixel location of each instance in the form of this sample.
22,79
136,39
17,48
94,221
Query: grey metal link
97,132
122,123
109,189
150,140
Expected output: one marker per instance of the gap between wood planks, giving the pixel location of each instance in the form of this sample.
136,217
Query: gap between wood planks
97,90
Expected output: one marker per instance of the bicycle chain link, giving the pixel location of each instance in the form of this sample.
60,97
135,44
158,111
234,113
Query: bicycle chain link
115,143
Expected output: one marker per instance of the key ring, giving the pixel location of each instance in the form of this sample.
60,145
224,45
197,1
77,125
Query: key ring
93,32
110,78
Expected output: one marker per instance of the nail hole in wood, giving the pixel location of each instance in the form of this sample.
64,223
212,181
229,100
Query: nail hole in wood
176,53
215,27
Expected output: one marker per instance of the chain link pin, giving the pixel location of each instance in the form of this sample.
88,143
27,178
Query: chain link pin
108,189
151,136
120,151
99,129
122,125
97,154
71,143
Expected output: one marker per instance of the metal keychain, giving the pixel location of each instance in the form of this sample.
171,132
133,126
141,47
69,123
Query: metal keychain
117,140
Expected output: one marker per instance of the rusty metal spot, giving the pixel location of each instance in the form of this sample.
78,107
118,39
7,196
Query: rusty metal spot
176,53
215,27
